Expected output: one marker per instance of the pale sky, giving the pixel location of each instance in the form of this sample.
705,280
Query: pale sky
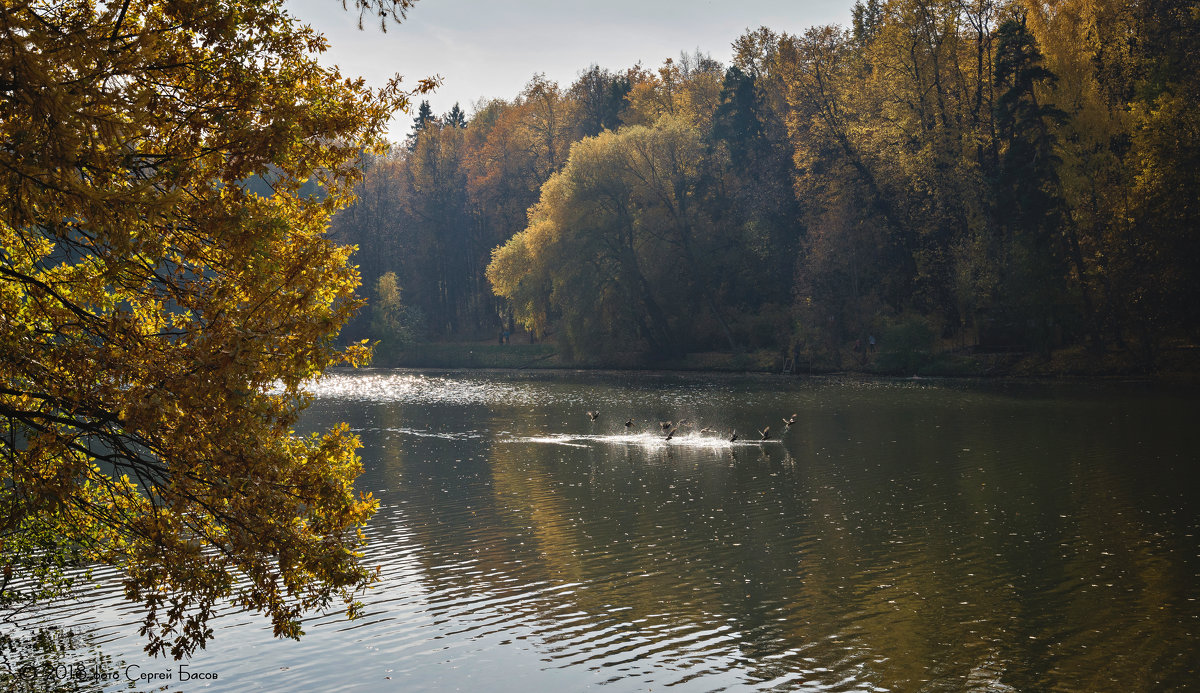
486,49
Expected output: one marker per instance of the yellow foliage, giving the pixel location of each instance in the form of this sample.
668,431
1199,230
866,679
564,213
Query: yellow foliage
600,226
674,93
158,321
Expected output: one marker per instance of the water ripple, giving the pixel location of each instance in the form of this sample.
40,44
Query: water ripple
900,536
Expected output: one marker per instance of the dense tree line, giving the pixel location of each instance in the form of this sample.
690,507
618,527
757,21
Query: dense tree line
1017,175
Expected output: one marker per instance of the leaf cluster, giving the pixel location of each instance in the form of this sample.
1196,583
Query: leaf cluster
158,319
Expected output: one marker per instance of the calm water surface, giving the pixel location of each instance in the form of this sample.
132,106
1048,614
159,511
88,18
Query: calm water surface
901,536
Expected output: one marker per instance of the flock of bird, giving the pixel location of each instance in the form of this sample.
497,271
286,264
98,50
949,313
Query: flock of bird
669,428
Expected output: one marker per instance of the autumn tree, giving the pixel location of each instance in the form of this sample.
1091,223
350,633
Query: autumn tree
1006,173
1127,82
599,98
893,136
688,88
432,211
855,257
512,148
158,320
394,323
1159,270
623,247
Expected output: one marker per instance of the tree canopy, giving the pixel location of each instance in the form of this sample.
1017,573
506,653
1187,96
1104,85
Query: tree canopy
1004,176
158,319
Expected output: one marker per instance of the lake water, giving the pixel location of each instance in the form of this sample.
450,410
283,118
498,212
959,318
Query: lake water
907,535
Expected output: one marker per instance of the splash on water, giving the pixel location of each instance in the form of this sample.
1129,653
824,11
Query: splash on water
646,440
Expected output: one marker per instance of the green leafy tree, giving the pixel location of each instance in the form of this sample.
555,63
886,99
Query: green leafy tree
393,323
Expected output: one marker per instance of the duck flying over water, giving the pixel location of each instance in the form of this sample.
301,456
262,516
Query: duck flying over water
765,433
671,433
593,415
666,425
787,423
629,424
733,437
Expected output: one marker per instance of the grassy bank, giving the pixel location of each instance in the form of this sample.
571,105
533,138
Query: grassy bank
1181,363
545,355
477,355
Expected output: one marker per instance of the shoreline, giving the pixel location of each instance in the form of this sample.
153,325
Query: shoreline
1176,365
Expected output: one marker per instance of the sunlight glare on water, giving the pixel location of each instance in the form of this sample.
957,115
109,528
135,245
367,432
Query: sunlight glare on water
900,535
417,388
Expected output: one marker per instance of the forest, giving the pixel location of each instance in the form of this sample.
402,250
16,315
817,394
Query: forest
199,217
967,175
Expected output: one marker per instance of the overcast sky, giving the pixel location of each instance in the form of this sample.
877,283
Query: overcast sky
487,49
